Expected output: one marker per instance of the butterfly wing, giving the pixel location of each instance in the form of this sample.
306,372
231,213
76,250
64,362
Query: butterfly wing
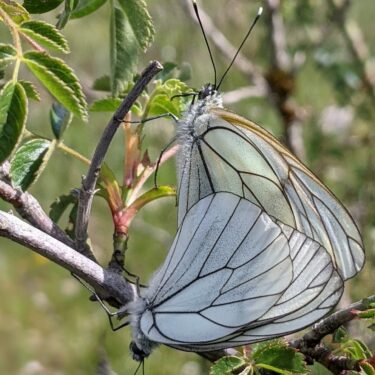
230,153
260,279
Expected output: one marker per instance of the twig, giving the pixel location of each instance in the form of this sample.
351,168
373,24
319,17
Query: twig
354,40
29,208
107,284
331,323
281,79
89,182
278,45
242,93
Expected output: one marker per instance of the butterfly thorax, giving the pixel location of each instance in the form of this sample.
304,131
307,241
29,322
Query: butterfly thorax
195,119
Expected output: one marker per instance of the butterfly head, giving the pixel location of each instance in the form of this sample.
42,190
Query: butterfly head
207,90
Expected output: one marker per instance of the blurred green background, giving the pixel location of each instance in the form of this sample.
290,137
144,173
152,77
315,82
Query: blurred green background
47,323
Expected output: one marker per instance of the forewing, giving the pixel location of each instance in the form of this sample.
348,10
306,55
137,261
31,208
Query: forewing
232,154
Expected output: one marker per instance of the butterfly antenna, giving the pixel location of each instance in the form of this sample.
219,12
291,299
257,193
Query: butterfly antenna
260,11
195,6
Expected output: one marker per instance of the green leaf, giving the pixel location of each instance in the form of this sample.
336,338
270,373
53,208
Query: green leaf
58,208
140,21
45,34
64,16
226,365
278,354
60,118
318,369
109,188
357,349
368,314
106,105
86,7
7,54
30,90
102,84
59,79
367,368
28,162
340,335
161,99
15,11
41,6
124,51
13,114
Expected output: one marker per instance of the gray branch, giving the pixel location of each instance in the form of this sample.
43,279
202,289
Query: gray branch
107,284
89,182
29,208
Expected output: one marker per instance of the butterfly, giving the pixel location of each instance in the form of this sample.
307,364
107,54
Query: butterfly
262,248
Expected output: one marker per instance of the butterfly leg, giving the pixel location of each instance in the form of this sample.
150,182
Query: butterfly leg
171,115
96,297
159,160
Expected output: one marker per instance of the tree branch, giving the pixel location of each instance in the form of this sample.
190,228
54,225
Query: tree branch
355,42
106,283
89,182
29,208
332,322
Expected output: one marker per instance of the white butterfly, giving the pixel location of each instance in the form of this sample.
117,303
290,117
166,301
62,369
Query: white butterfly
262,249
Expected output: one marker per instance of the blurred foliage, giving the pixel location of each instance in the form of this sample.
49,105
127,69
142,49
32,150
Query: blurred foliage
47,324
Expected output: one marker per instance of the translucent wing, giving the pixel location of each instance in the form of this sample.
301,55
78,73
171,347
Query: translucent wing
229,153
260,279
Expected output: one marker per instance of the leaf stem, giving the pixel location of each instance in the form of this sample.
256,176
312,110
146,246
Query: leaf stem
16,40
75,154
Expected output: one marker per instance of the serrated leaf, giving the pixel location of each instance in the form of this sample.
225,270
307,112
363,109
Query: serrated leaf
15,11
279,355
162,102
140,21
28,162
124,51
41,6
59,79
64,16
7,54
13,114
30,90
45,34
102,84
60,118
86,7
226,365
105,105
